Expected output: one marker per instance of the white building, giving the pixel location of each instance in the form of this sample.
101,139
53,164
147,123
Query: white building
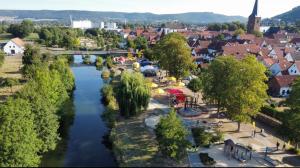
108,25
82,24
295,68
14,46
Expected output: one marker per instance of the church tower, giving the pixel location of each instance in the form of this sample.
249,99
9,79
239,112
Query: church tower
254,21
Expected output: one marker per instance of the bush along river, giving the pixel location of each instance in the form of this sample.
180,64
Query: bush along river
82,130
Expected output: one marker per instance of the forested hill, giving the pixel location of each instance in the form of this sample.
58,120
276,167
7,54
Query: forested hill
290,16
64,15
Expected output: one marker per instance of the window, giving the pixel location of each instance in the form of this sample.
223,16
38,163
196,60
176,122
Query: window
288,92
283,92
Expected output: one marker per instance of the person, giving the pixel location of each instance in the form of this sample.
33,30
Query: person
277,145
284,146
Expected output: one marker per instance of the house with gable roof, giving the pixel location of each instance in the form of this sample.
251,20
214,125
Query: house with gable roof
14,46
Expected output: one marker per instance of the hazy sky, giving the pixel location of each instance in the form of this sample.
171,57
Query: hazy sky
267,8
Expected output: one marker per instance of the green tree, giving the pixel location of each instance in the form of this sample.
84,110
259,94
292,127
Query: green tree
215,81
18,140
195,85
109,62
47,94
21,30
172,136
2,57
133,94
141,43
99,62
247,93
130,44
293,100
66,75
239,32
174,55
258,34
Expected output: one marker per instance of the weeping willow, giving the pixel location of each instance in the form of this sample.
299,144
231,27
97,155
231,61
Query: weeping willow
133,94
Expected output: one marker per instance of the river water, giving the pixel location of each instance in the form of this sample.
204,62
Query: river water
81,143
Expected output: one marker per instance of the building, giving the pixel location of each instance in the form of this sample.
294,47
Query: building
254,21
108,25
14,46
281,85
82,24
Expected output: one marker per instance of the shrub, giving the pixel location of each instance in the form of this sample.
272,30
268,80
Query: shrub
109,62
272,112
99,62
201,137
206,160
172,142
105,74
87,59
218,137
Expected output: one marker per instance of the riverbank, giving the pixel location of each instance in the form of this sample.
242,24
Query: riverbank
134,144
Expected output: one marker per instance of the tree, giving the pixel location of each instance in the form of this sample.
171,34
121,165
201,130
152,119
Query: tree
258,33
247,92
174,55
195,85
293,100
2,57
239,32
47,94
130,44
215,81
62,67
31,59
18,140
21,30
141,43
133,94
109,62
171,136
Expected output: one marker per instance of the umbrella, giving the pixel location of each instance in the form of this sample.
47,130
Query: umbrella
180,84
136,65
160,91
178,93
172,79
175,91
154,85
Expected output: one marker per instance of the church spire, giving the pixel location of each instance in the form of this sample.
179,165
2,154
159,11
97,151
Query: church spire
255,9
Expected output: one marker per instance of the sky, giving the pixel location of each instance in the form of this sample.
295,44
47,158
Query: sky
267,8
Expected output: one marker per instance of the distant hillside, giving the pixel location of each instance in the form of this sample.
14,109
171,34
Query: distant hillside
195,17
290,16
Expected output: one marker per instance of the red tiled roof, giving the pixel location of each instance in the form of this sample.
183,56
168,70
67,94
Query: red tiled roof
285,80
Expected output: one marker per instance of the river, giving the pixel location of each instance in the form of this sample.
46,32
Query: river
81,143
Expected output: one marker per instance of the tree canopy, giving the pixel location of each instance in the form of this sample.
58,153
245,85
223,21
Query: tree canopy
237,86
21,30
132,93
172,136
19,143
174,55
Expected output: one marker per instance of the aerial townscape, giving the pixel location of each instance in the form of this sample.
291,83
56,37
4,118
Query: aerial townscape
81,88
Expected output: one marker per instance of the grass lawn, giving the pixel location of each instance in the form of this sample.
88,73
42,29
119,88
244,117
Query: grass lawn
5,37
135,145
10,69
